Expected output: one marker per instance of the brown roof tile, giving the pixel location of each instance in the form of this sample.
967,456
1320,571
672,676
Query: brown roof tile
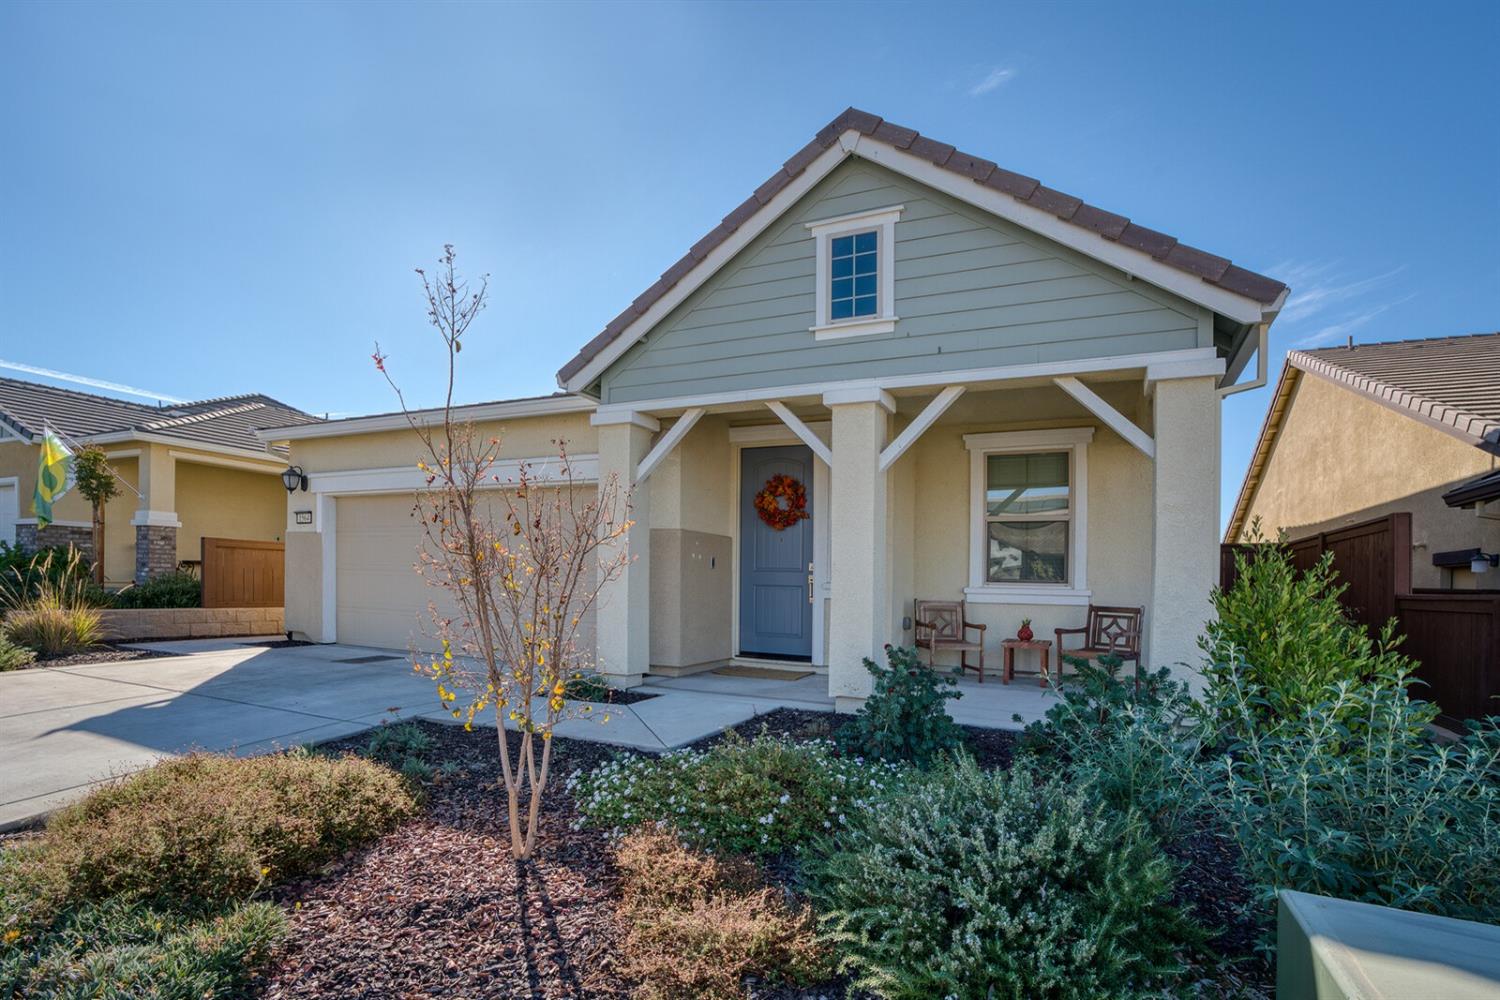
1215,270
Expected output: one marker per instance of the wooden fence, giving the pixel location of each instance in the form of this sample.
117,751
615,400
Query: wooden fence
1453,635
239,573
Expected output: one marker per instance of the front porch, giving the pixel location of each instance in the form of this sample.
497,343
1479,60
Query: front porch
1031,496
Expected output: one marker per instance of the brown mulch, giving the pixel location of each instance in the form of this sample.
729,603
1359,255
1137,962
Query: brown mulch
103,653
439,908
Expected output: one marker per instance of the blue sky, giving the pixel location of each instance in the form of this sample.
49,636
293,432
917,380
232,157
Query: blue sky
210,199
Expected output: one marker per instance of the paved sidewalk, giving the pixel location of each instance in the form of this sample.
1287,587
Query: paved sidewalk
63,729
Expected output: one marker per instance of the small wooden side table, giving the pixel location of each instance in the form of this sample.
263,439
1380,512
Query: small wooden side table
1042,646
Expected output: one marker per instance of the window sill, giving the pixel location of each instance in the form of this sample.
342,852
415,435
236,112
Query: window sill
1026,594
854,328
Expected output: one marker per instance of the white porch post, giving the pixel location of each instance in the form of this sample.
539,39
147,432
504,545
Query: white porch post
859,610
623,620
1185,521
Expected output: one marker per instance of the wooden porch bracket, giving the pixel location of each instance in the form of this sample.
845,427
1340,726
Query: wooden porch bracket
668,441
918,427
1113,418
797,427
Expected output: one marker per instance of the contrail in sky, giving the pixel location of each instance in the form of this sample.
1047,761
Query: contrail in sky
91,382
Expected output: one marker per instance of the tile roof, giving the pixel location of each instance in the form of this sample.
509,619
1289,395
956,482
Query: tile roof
1450,382
228,421
1484,489
1163,248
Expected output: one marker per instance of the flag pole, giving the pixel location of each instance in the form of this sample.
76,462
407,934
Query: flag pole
72,443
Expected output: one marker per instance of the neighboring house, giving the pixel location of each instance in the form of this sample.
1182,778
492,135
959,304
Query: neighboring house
1356,433
198,467
989,390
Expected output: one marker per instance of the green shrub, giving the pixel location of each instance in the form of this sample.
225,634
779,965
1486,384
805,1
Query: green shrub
1352,797
1286,632
1120,737
761,796
12,656
586,687
697,926
59,570
51,626
203,827
122,951
905,716
170,590
970,883
394,745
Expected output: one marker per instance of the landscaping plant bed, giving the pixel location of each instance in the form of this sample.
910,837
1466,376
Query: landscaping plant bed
438,906
103,653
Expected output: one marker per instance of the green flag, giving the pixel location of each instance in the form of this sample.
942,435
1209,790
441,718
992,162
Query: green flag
54,477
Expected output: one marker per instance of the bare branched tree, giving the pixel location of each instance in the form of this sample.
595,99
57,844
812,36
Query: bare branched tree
521,559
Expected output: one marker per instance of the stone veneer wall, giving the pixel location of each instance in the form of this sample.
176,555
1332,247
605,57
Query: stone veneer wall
29,539
155,551
190,623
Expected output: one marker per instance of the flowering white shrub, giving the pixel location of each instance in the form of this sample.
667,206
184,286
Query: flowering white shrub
759,797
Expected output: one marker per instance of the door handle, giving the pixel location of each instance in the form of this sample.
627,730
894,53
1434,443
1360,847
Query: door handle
809,583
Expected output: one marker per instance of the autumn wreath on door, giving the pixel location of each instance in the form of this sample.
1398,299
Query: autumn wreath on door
782,502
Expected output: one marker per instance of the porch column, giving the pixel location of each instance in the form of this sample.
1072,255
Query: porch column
1185,522
859,610
623,620
155,519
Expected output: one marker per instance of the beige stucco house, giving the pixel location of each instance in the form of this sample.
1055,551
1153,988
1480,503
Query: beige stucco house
187,471
985,389
1356,433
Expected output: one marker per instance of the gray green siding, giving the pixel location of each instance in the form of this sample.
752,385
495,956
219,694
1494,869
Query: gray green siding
972,291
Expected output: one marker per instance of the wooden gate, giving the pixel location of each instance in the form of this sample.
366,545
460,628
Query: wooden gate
239,573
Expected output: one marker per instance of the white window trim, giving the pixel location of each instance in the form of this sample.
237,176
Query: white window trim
1075,441
883,221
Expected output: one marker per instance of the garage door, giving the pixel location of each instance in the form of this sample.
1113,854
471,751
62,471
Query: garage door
381,599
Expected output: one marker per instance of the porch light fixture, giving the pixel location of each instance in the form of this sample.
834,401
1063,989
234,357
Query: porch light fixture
294,478
1481,563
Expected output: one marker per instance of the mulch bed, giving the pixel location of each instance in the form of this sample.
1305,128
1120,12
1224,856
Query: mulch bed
616,697
439,908
102,653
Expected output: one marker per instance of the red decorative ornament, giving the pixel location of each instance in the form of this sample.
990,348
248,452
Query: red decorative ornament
782,502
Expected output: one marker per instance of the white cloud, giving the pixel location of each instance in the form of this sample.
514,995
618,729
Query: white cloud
996,77
1317,286
92,383
1334,332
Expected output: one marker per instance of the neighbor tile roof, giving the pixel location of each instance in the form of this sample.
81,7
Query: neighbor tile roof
1165,249
229,421
1452,382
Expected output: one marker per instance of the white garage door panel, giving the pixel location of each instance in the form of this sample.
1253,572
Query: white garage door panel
381,599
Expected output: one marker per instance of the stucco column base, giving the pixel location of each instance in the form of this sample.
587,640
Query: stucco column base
847,706
859,611
1185,524
623,621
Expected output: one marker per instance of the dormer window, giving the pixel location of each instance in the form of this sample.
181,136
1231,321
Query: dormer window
856,281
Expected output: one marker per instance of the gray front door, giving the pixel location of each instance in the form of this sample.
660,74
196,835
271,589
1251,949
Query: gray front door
775,611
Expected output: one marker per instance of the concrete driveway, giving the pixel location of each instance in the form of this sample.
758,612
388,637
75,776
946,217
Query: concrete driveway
63,729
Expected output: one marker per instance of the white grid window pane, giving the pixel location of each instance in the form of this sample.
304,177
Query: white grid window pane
853,268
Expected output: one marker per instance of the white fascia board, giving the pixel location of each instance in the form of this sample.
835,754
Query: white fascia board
120,437
1197,361
708,266
273,468
410,479
1134,262
468,413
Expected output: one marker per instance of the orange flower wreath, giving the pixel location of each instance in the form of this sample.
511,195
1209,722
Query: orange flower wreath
768,502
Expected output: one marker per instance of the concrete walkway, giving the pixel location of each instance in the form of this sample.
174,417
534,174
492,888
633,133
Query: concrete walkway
63,729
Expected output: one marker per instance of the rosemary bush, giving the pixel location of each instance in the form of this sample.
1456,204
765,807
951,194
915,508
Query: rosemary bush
968,883
904,718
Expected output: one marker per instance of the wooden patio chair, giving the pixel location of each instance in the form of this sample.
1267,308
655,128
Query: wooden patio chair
1108,631
944,626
